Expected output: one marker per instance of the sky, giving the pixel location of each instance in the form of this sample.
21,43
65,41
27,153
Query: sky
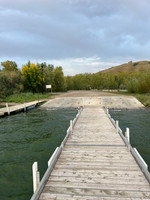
82,36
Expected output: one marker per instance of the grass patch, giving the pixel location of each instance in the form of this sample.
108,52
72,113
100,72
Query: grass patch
144,99
26,97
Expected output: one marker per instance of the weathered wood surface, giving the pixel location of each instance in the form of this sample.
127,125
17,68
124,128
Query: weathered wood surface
1,113
19,107
95,164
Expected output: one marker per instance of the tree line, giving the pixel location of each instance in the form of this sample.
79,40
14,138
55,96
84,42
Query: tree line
132,82
31,77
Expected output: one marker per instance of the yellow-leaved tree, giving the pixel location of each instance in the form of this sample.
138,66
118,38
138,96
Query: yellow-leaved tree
32,77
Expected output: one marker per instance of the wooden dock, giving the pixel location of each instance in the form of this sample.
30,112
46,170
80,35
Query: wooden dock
8,110
94,163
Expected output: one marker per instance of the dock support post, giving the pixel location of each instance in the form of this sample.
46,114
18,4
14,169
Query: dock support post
107,110
117,126
78,110
53,157
8,110
25,108
71,125
36,176
127,134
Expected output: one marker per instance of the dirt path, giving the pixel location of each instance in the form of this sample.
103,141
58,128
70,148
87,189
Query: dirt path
84,93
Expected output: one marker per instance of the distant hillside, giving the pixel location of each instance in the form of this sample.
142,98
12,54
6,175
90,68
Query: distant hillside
141,66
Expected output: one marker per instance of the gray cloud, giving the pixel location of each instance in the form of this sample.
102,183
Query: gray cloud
72,29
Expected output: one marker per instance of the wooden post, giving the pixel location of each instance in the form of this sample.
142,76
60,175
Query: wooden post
117,126
25,108
8,110
127,134
53,157
78,111
36,176
107,111
71,125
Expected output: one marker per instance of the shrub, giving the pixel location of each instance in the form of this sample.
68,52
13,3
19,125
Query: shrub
132,85
10,83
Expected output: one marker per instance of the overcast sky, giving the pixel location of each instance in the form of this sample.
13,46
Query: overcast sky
80,35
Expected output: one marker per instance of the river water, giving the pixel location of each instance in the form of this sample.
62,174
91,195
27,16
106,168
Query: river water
25,138
138,121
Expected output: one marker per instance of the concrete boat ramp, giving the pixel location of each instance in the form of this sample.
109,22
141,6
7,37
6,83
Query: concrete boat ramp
95,161
119,102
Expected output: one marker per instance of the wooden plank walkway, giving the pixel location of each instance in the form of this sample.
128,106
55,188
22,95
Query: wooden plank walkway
18,108
95,164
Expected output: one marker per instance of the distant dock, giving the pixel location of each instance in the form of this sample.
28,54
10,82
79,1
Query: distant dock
8,110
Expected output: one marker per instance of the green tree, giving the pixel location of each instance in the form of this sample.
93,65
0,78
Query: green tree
10,83
9,65
69,83
58,80
97,81
132,85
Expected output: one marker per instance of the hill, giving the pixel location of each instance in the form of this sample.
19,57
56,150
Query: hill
141,66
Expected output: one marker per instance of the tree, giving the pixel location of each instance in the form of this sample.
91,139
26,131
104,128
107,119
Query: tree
10,83
48,72
9,65
69,82
59,81
33,77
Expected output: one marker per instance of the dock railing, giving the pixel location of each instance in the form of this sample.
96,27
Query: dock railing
39,185
126,138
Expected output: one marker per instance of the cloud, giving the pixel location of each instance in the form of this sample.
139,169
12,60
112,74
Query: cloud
66,30
79,65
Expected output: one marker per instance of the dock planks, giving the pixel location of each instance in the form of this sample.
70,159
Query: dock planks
18,108
95,164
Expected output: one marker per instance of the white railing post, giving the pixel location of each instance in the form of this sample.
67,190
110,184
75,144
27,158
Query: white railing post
71,125
127,134
52,157
25,108
8,110
78,111
117,126
107,110
36,176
